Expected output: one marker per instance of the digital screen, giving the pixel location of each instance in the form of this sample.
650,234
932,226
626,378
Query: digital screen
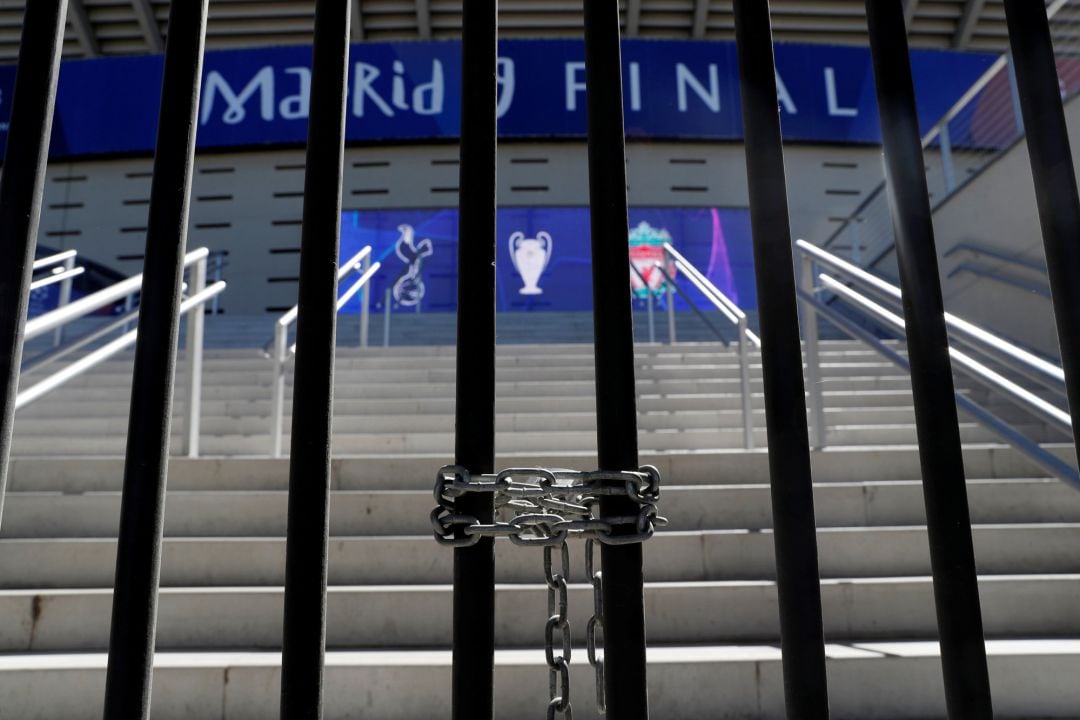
543,256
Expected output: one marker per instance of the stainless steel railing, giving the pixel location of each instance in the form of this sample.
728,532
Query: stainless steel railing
198,295
62,269
280,350
825,273
727,309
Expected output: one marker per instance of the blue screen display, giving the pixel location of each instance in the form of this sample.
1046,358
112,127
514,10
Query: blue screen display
411,91
543,256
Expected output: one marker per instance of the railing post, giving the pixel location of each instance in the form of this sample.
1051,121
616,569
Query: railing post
671,311
365,304
1055,181
952,557
277,407
474,437
386,318
306,547
626,685
142,507
856,250
948,168
64,299
218,273
744,386
791,480
129,307
819,432
21,187
196,322
649,310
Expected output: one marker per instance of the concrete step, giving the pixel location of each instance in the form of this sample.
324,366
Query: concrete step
523,388
417,472
444,422
262,513
406,368
1031,678
419,616
261,375
669,557
519,441
647,402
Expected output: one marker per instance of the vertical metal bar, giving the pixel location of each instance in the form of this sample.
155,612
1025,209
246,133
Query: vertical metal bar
813,358
277,409
1014,93
65,298
948,169
22,184
1055,181
616,407
129,307
952,558
365,304
744,386
196,323
671,311
801,634
649,310
856,249
142,507
219,269
474,439
304,636
386,319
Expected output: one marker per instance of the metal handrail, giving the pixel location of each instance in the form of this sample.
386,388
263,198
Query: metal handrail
1009,354
730,310
723,303
649,299
200,294
280,350
56,276
1006,353
74,346
1045,410
95,301
63,271
61,258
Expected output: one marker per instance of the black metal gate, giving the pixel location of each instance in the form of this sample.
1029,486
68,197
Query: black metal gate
621,511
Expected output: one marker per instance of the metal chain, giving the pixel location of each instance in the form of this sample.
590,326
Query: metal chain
536,506
544,507
596,623
558,619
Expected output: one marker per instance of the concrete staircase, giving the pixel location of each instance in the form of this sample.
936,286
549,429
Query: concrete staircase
711,597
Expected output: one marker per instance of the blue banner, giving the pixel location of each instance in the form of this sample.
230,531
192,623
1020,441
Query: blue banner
543,259
410,91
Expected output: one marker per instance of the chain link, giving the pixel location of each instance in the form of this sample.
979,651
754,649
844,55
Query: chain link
596,625
558,619
537,506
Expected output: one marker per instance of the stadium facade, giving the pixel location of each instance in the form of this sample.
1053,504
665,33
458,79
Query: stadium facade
686,164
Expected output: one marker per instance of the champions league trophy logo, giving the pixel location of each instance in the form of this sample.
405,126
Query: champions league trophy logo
530,256
409,286
646,251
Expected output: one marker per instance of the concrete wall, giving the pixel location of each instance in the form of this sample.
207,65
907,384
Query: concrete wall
250,203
